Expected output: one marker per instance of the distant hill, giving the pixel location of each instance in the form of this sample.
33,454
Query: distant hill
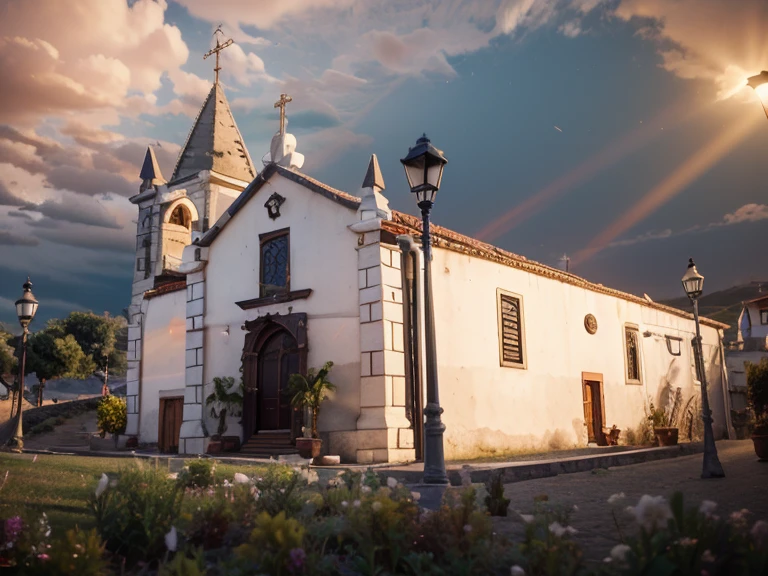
724,305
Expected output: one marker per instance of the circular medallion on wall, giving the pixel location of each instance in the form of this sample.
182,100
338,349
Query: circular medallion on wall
590,323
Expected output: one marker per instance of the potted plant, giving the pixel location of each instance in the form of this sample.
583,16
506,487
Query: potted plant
221,401
757,396
665,420
308,392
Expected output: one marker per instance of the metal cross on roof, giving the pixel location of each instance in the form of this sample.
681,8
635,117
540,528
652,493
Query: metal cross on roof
219,47
284,99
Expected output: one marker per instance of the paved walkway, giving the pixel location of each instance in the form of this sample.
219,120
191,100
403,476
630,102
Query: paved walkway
745,486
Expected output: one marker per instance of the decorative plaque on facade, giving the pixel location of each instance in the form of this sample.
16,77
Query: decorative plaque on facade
590,323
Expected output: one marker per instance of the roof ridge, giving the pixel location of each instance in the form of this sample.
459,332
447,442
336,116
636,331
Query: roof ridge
506,257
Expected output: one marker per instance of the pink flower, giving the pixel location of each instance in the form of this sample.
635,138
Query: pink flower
43,557
13,528
297,558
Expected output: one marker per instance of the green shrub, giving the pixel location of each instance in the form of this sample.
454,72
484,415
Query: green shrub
209,523
197,473
274,544
183,564
135,514
279,490
112,415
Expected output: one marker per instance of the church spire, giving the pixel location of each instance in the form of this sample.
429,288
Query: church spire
150,171
215,143
373,178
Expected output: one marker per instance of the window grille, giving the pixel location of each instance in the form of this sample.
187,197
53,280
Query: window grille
275,266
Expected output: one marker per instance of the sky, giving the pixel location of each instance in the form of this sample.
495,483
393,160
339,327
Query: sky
618,132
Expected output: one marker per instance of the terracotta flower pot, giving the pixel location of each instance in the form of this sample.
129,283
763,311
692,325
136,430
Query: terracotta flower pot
214,447
309,447
666,436
760,440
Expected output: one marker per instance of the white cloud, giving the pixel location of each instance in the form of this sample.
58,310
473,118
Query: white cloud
747,213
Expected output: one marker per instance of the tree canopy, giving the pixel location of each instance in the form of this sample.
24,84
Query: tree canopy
75,347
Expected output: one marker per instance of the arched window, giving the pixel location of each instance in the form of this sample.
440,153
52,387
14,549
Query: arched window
181,217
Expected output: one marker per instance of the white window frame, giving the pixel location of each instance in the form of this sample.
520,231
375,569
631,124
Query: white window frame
763,317
635,328
524,355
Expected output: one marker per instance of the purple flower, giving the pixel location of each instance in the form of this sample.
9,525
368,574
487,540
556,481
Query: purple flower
297,557
13,528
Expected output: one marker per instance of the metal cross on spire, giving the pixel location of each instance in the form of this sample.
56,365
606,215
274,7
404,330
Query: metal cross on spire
284,99
219,47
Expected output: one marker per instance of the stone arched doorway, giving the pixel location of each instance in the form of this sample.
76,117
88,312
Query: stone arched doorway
275,347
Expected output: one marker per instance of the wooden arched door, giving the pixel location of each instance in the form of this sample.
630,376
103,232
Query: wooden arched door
274,348
277,360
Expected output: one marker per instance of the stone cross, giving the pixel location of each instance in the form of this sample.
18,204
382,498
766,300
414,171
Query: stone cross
219,48
284,99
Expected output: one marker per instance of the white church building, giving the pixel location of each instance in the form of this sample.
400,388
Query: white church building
261,274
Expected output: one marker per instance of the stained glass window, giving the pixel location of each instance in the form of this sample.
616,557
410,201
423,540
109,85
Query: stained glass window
275,273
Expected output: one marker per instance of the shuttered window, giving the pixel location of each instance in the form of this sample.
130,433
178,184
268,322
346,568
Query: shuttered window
511,329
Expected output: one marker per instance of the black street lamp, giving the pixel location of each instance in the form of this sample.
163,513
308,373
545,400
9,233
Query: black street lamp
26,307
693,283
760,85
424,169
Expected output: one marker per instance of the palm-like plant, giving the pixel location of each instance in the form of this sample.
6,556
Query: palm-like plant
309,391
225,400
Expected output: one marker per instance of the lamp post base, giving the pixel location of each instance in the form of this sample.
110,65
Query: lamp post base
711,467
16,445
434,459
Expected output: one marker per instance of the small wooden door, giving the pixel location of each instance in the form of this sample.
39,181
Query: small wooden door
278,359
593,409
171,410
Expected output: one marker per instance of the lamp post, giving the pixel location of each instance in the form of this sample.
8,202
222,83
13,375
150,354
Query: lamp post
26,307
424,169
693,283
759,83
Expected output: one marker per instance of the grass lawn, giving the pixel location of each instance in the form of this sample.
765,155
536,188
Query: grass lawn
60,485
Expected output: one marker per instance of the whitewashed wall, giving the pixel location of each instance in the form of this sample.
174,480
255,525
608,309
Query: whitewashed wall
757,329
490,408
323,258
162,357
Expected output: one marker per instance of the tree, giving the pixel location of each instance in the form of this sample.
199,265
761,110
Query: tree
52,354
98,338
8,360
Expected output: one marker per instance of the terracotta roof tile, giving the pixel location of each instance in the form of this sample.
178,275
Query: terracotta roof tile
166,289
443,238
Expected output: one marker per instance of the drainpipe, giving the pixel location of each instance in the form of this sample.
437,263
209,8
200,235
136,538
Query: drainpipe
411,275
730,430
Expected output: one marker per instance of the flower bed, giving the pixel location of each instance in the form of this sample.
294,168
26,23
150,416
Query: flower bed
281,520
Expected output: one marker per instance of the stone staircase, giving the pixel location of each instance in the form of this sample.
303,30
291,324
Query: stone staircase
268,444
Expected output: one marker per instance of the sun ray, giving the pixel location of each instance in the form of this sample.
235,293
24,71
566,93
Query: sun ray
690,170
607,157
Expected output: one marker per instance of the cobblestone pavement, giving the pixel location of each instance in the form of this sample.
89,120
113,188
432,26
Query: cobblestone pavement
745,486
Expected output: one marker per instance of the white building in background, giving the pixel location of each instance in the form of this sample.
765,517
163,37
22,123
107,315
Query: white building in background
260,276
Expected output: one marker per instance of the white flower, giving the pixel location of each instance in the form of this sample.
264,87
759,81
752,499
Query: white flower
516,571
103,483
241,478
171,539
651,512
173,476
527,518
467,528
365,489
376,506
707,556
619,552
616,498
707,508
559,530
344,504
759,532
391,482
226,483
356,503
575,508
416,496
